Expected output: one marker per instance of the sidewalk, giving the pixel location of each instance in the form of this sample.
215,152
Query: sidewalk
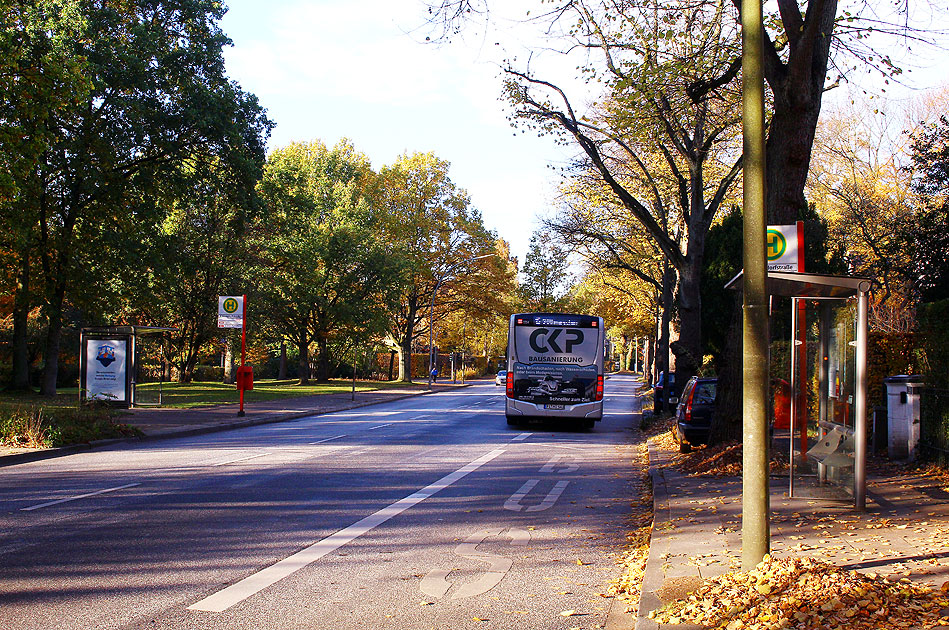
163,422
697,530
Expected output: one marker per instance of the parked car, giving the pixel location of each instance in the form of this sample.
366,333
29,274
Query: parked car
693,420
665,392
501,378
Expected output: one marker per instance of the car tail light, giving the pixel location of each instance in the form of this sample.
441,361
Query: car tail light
688,407
509,385
599,387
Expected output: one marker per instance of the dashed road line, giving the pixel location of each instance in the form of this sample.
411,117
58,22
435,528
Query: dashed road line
239,459
324,440
76,498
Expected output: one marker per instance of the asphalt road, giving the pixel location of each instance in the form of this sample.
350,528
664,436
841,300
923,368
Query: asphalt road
428,512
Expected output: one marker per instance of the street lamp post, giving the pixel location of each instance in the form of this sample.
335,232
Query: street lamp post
431,312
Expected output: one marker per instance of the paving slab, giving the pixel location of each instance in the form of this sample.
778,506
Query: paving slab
696,531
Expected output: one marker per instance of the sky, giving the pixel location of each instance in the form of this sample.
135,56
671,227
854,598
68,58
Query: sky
330,69
360,69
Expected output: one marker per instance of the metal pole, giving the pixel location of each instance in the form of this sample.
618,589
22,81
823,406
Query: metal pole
755,542
431,331
860,405
243,349
354,369
795,407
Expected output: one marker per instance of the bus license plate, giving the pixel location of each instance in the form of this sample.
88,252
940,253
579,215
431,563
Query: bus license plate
553,407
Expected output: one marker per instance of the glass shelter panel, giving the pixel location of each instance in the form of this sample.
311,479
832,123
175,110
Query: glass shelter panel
821,437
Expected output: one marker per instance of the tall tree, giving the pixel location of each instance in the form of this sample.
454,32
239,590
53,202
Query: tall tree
546,273
328,271
41,72
197,252
430,222
157,96
927,234
809,46
664,143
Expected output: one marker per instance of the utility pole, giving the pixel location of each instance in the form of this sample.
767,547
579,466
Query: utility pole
755,530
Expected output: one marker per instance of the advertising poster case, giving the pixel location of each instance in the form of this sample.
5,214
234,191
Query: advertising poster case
556,359
105,374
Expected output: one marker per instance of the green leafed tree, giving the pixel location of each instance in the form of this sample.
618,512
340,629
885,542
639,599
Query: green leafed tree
324,272
546,276
155,97
41,73
430,222
926,233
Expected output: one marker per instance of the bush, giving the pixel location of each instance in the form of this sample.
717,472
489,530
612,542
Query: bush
36,427
27,428
934,336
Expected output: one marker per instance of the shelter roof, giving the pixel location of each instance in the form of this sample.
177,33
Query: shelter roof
812,285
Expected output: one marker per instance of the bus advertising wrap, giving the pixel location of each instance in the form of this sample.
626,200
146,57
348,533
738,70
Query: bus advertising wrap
557,364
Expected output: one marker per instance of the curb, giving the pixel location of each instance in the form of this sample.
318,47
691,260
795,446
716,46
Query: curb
192,430
653,576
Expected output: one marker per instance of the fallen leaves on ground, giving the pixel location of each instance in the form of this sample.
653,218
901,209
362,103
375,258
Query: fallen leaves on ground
803,593
634,558
719,460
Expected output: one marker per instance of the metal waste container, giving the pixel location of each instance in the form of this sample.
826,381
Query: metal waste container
902,412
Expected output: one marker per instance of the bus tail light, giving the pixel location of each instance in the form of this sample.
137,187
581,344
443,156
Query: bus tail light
509,385
599,387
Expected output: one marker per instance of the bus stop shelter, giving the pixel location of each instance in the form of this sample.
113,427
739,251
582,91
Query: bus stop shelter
109,362
826,437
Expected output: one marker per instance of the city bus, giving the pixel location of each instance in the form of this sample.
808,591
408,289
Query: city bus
555,368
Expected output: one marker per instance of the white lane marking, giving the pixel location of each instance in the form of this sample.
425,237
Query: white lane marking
76,498
569,448
361,414
238,592
514,503
522,436
329,439
380,426
435,583
551,497
556,459
239,459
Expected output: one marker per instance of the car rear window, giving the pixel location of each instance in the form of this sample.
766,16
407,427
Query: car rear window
704,394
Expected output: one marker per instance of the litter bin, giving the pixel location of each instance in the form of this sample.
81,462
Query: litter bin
902,413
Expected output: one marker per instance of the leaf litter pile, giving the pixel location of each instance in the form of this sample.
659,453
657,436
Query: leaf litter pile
806,594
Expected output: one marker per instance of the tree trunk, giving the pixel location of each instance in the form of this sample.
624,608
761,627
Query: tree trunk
798,88
323,361
788,160
187,370
727,424
405,343
228,359
282,370
649,362
54,337
665,318
21,323
304,366
405,359
688,348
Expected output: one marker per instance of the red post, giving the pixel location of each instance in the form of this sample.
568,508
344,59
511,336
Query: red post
243,350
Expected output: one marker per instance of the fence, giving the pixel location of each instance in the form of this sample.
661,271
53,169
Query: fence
934,425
